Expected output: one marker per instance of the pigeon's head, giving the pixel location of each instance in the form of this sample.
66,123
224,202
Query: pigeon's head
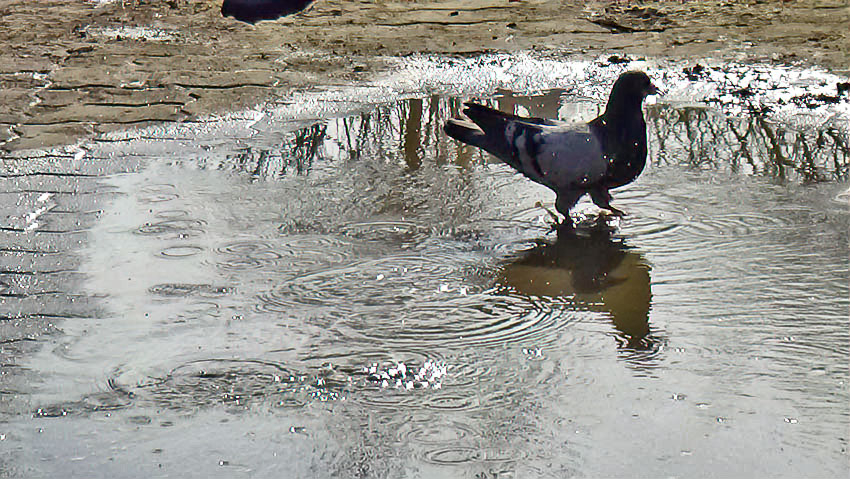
630,89
635,83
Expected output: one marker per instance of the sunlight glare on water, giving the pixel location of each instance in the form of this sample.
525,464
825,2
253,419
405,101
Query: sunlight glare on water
356,295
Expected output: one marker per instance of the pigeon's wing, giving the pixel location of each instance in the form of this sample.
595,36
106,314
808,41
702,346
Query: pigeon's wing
555,154
560,157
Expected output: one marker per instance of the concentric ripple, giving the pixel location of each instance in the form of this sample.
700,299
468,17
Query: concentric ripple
170,214
213,382
454,455
179,252
246,255
396,231
655,226
726,228
659,219
437,432
299,252
173,228
377,283
454,401
484,319
158,193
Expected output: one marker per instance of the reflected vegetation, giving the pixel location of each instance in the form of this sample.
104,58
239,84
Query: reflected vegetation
695,135
702,137
301,149
598,271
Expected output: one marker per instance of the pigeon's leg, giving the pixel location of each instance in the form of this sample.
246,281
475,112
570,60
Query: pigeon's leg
555,218
602,199
557,223
564,202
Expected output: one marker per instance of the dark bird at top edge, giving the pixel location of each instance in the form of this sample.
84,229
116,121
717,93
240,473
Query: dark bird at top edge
253,11
572,159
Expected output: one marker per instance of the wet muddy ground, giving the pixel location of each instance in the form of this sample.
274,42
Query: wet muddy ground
322,284
71,69
329,287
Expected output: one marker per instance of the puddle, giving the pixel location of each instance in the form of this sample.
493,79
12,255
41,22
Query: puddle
334,285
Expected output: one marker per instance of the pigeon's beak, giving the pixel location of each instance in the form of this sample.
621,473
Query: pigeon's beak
651,89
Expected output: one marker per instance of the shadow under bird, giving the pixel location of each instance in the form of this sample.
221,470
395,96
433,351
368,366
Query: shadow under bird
253,11
572,159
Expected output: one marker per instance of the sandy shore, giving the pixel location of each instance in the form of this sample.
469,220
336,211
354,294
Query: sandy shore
71,69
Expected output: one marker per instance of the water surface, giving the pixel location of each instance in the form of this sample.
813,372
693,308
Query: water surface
356,295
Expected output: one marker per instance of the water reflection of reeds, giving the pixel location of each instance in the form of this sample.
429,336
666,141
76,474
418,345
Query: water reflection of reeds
296,154
409,132
702,137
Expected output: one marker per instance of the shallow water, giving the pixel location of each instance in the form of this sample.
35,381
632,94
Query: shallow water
353,294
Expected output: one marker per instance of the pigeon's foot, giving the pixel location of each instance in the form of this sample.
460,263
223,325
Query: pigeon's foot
615,212
555,217
558,224
565,227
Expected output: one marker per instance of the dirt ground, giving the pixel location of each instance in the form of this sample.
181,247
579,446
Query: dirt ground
71,69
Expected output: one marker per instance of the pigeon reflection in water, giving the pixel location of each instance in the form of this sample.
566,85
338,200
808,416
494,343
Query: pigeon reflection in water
598,272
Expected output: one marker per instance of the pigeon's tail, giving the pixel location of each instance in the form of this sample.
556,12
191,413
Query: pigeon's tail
487,130
488,119
466,132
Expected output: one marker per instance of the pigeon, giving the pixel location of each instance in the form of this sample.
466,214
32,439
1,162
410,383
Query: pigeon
252,11
571,159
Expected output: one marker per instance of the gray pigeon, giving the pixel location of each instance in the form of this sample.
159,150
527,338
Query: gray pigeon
571,159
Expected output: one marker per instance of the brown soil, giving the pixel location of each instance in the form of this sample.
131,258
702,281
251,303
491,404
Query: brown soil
71,69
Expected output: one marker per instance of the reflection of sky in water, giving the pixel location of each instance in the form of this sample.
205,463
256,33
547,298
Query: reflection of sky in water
264,290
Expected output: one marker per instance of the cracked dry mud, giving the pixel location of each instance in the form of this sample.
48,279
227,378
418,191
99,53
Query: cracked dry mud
71,69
